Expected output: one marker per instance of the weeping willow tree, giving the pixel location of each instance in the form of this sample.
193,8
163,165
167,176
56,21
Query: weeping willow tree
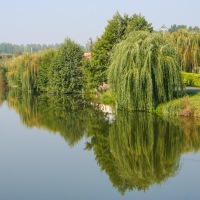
145,71
22,71
188,46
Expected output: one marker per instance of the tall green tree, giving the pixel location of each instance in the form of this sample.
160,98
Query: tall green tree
44,70
137,23
65,74
116,30
113,33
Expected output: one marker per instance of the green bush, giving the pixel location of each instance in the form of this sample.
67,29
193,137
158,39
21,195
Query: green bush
191,79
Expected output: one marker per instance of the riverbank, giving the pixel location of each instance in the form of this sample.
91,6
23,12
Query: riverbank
188,106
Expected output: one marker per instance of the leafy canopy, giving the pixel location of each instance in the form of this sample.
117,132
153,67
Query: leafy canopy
116,30
144,71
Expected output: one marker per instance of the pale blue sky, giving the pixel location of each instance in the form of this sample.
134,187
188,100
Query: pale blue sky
51,21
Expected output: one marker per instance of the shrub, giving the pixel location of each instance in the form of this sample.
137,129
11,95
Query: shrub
191,79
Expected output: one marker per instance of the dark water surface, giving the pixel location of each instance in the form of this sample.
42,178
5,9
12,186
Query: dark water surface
68,148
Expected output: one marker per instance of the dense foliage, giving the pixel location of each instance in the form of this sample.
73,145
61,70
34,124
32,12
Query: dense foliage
143,68
116,30
44,70
65,72
144,71
139,157
50,71
3,60
191,79
187,44
22,71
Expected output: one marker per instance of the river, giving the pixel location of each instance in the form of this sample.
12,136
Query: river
67,147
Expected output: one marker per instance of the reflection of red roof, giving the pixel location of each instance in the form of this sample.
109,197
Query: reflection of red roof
87,55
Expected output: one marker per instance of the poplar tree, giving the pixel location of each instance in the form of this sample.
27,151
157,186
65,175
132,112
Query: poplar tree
65,74
44,69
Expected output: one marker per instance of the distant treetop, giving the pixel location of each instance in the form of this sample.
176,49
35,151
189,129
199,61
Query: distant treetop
175,28
8,48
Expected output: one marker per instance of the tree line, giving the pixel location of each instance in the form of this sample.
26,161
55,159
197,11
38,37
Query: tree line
14,49
176,27
142,66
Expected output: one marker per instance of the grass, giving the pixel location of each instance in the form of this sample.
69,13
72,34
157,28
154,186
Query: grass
188,105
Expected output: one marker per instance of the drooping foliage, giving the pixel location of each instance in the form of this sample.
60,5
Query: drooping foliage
145,71
146,150
141,149
22,71
65,73
188,47
116,30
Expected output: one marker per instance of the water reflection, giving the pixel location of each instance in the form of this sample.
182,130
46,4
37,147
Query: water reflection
136,150
70,116
2,94
140,150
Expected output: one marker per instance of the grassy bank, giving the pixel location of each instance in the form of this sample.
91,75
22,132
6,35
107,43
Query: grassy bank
188,106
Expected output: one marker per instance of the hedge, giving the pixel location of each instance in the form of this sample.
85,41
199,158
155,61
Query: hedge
191,79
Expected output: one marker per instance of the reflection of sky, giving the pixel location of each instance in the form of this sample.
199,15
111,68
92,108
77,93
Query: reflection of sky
35,164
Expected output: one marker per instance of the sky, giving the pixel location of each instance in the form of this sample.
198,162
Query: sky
51,21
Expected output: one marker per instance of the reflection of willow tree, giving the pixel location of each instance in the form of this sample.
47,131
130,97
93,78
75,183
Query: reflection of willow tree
70,116
139,150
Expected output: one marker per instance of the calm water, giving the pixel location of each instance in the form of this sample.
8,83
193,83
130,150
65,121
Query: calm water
68,148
